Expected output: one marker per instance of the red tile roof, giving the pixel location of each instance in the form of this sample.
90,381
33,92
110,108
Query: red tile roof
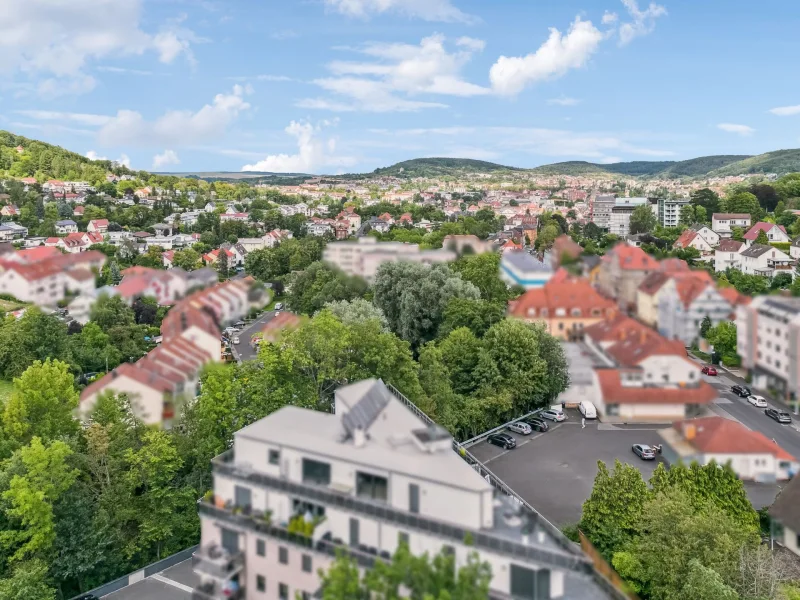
31,255
618,327
717,435
632,258
565,294
752,233
634,349
686,238
615,393
653,282
735,298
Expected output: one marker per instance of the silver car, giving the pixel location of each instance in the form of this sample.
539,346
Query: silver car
553,415
520,427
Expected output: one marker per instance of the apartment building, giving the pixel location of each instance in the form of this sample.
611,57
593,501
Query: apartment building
685,302
669,211
620,222
728,255
372,475
723,223
622,270
364,256
768,341
601,210
518,267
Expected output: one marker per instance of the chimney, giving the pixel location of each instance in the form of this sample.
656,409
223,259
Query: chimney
359,437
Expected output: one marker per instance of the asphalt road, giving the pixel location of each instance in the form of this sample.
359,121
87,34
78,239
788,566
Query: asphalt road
244,351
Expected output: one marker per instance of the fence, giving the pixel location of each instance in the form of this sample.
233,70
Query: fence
136,576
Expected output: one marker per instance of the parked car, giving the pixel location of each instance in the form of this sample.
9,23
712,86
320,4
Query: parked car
644,451
552,414
757,401
587,409
279,306
503,440
778,415
709,370
741,390
520,427
236,339
537,424
239,324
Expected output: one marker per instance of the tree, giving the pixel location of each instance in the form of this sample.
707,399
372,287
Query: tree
723,337
40,476
114,273
321,283
762,238
708,199
547,236
186,259
737,233
41,404
152,259
781,281
357,310
767,196
703,583
483,271
643,220
28,581
477,315
145,310
705,325
222,264
34,336
744,202
592,232
612,513
92,349
111,311
780,207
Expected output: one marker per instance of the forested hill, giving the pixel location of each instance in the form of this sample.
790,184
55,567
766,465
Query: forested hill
695,167
440,167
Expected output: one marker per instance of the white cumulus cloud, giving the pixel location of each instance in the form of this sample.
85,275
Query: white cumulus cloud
168,157
427,10
123,159
786,111
564,101
736,128
642,23
555,57
312,154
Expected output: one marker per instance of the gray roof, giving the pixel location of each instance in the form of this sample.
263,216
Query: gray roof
757,250
786,508
66,222
527,263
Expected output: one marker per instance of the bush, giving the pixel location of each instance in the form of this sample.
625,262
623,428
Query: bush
731,360
782,246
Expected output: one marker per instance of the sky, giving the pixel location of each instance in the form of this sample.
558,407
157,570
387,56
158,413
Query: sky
342,86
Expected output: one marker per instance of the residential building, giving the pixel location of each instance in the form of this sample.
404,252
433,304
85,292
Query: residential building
767,261
648,293
669,211
728,255
685,302
622,270
751,454
768,342
601,210
100,226
364,256
794,249
774,233
518,267
723,223
10,231
373,474
693,239
621,215
461,243
785,513
565,306
66,226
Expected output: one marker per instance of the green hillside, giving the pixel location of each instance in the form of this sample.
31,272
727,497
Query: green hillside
779,161
695,167
439,167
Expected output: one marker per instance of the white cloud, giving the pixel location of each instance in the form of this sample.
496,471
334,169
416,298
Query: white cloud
786,111
564,101
242,78
559,54
609,18
107,69
50,115
312,153
92,155
283,34
744,130
65,86
177,127
168,157
644,21
123,159
395,72
58,39
428,10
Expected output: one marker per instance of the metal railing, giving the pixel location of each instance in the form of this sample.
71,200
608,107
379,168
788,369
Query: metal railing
474,440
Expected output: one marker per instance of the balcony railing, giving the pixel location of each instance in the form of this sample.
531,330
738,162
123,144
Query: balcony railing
216,561
213,591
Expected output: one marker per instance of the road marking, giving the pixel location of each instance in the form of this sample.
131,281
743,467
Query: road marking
168,581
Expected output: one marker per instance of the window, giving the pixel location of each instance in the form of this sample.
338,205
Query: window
261,548
612,410
354,537
543,312
307,563
402,538
274,457
230,540
560,326
413,497
300,507
576,312
261,583
371,486
305,596
316,472
283,591
283,555
242,496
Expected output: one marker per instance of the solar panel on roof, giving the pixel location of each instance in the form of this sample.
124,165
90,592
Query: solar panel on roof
366,410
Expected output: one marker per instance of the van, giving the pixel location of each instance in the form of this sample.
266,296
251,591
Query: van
587,409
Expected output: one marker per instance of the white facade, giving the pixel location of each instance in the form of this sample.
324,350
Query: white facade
766,261
365,256
300,464
679,321
723,223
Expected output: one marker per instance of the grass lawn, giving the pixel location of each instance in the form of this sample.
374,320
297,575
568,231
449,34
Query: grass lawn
5,390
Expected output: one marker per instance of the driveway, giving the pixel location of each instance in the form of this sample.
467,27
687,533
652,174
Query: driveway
244,351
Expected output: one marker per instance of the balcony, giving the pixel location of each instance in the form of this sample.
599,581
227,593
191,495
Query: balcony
217,562
214,591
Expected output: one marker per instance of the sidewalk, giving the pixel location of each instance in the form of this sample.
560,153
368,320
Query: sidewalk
734,374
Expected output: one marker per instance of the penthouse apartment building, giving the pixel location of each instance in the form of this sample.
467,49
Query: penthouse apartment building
372,475
364,256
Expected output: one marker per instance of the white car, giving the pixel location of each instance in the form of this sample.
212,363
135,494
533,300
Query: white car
552,415
279,306
757,401
236,340
520,427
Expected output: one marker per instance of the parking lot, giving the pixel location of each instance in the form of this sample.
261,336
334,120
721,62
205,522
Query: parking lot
555,470
175,583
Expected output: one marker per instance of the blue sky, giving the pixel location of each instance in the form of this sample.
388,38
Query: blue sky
330,86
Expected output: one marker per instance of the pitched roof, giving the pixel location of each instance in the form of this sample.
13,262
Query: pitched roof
786,508
686,238
673,265
717,435
632,258
753,232
567,295
653,282
689,288
756,250
729,245
615,393
618,327
633,350
733,297
728,216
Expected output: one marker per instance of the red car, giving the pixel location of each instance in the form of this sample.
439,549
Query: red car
707,370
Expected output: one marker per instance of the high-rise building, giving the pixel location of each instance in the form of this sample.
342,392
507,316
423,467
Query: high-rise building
375,473
601,210
669,211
